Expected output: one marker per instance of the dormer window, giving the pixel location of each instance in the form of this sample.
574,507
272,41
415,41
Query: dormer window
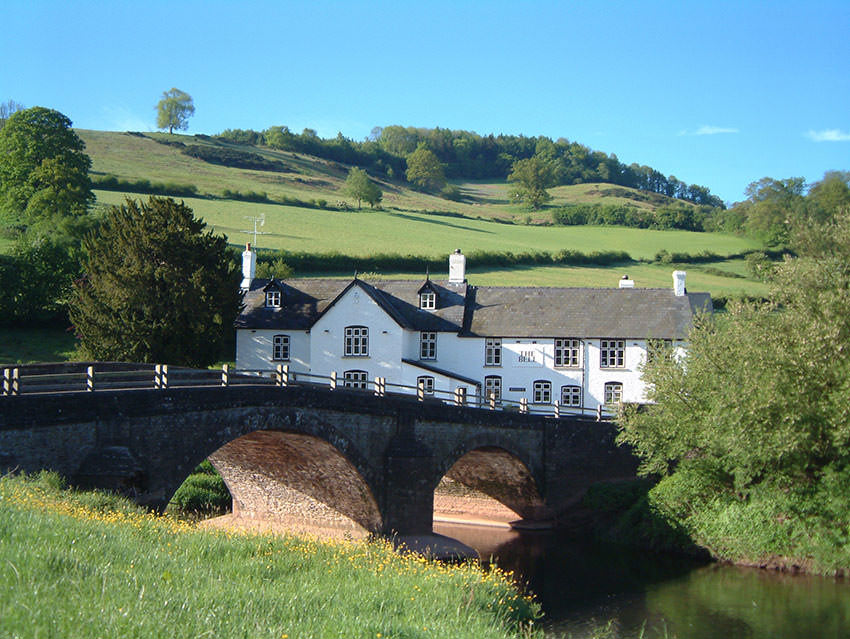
428,300
274,294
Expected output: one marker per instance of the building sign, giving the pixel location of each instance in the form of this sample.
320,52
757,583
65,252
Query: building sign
526,355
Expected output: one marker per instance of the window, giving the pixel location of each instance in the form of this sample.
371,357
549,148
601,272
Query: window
427,345
542,392
613,392
280,348
427,382
273,299
355,379
492,386
493,351
428,300
567,352
356,341
612,353
570,395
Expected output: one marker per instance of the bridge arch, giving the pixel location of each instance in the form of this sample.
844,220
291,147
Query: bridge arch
267,456
300,481
498,468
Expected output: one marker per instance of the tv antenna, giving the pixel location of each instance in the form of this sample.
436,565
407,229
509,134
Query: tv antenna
258,221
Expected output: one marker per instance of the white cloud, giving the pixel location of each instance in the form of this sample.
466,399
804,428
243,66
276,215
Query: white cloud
828,135
705,129
120,118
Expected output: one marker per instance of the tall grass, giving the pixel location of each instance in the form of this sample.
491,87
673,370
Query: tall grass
92,565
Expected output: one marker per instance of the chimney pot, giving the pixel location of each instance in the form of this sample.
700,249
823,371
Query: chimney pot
457,267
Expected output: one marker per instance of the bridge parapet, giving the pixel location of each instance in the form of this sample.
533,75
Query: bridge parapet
70,377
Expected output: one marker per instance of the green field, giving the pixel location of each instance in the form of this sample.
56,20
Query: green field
413,223
366,232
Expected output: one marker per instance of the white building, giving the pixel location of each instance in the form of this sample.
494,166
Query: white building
581,347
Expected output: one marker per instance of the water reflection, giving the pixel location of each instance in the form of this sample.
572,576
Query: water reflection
593,590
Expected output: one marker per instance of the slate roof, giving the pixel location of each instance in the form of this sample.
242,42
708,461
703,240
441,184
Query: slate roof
491,311
510,311
305,300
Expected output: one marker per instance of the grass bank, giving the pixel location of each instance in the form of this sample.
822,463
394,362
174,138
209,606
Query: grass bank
798,530
104,568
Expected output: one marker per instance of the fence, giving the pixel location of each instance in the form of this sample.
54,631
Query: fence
86,377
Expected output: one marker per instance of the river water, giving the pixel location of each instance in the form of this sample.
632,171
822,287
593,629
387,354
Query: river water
589,590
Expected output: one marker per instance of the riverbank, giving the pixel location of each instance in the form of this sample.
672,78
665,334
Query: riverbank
104,568
756,533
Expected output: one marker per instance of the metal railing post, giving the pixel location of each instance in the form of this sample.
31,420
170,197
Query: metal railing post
225,375
492,400
90,379
7,381
420,390
283,375
599,413
333,380
523,405
557,409
380,391
157,376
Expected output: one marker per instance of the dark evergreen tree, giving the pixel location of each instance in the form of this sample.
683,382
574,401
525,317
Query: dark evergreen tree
159,287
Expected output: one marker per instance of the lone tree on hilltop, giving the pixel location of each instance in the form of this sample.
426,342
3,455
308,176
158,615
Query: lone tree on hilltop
44,172
424,169
174,110
360,187
158,287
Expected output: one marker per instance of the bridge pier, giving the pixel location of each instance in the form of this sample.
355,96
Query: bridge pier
408,501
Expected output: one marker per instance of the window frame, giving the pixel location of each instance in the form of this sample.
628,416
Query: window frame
495,383
281,348
567,348
493,351
570,389
541,391
612,394
428,345
356,379
356,341
429,383
273,298
428,300
612,353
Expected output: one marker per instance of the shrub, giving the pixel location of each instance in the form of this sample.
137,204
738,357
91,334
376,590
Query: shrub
233,158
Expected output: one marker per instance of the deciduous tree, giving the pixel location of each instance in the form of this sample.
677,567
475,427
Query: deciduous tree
158,287
174,110
424,169
750,430
44,180
360,187
531,177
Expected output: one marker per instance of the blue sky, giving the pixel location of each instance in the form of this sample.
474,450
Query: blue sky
716,93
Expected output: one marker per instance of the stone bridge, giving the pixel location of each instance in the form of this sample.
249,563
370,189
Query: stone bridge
342,456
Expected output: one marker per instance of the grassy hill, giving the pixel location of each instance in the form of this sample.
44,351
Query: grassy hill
305,210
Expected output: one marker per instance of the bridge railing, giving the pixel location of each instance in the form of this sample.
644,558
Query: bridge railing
87,377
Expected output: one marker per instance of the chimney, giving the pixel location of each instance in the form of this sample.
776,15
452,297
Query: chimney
625,282
679,283
457,268
249,266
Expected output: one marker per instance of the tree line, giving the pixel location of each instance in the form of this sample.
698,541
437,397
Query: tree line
468,155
